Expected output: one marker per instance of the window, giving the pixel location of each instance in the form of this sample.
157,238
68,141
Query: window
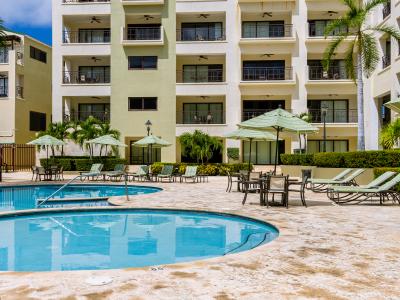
38,54
97,110
262,153
263,29
96,74
317,28
142,62
143,103
337,111
337,70
254,108
264,70
202,73
203,113
202,31
141,156
37,121
386,117
3,86
94,35
315,146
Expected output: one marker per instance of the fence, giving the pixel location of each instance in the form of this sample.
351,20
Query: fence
17,157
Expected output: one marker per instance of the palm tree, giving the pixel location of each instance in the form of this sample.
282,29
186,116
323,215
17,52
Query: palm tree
199,145
105,129
363,47
2,34
85,131
58,130
390,135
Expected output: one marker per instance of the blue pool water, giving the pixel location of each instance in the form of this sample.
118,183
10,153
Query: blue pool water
111,239
25,197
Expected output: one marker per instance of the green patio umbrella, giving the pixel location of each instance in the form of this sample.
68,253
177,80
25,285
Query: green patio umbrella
106,140
47,141
394,105
279,120
151,141
251,136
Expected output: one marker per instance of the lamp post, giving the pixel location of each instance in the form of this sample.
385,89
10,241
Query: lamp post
324,110
148,125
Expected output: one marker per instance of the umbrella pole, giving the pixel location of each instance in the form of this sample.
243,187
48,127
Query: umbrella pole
47,157
251,140
276,149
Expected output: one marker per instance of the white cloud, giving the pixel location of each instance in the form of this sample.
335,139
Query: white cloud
26,12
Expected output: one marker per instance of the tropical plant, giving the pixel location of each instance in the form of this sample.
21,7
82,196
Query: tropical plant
363,48
199,146
105,129
2,33
58,130
390,135
85,131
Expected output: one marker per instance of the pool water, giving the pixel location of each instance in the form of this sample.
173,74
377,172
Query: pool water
25,197
112,239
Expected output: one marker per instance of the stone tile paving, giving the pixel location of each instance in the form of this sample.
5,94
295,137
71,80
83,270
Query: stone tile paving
324,251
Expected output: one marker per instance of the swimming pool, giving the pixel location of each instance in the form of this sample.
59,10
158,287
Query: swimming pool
110,239
25,197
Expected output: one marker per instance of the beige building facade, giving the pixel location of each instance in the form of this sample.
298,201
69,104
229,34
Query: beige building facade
25,88
208,65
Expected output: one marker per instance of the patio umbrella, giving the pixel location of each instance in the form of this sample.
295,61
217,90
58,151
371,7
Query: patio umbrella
47,141
279,120
152,141
106,140
394,105
251,136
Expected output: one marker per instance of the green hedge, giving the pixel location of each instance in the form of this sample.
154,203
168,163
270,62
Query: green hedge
358,159
83,163
207,169
380,171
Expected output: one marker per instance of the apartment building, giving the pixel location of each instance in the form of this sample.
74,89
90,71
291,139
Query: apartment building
208,65
25,88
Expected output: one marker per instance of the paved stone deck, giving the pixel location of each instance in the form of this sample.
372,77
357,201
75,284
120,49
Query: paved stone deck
324,251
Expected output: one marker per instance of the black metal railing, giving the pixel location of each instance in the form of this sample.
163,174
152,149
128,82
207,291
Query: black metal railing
314,30
84,1
103,116
386,61
19,91
94,77
334,115
191,34
201,117
3,91
87,36
196,76
248,114
333,73
267,73
150,33
386,10
273,31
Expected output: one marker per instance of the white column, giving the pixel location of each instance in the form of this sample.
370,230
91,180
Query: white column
57,68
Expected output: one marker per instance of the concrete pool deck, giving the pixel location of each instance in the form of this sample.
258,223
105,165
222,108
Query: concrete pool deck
324,251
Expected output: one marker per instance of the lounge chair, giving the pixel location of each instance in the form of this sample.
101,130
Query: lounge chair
343,195
190,173
322,185
166,173
119,171
94,173
141,173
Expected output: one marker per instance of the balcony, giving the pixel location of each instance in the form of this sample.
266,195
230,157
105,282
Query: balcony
333,73
248,114
386,10
213,117
84,1
386,61
267,73
198,35
80,116
274,31
143,36
200,76
87,78
142,2
87,36
334,116
19,92
318,31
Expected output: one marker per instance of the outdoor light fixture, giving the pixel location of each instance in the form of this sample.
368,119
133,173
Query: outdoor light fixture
148,125
324,111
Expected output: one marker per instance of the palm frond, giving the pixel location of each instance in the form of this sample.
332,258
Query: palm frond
349,60
387,29
2,34
337,24
351,4
330,51
370,5
369,52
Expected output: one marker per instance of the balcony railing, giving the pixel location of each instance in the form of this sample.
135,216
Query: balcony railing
273,31
386,61
94,77
87,36
201,117
3,91
19,91
151,33
267,73
193,35
334,116
186,76
252,113
85,1
386,10
316,31
103,116
333,73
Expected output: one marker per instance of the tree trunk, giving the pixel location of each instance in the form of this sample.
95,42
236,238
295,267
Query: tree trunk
360,105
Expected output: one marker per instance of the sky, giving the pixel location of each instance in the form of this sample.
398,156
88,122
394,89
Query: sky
31,17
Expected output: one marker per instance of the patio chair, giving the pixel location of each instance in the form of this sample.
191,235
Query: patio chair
251,184
58,173
190,173
381,193
119,171
277,185
94,173
302,187
166,173
41,171
322,185
232,179
34,172
141,173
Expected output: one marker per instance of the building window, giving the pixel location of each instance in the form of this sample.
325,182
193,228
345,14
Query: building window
3,87
386,117
337,111
202,31
262,153
202,73
94,74
98,110
38,54
142,62
263,29
141,156
142,103
37,121
315,146
317,28
203,113
264,70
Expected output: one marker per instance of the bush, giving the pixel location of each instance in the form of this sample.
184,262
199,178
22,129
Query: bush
233,153
83,163
206,169
297,159
380,171
329,160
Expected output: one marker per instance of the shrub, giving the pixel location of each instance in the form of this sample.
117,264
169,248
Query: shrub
380,171
83,163
329,160
297,159
233,153
206,169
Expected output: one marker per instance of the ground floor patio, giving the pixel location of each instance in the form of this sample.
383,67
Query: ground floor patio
324,251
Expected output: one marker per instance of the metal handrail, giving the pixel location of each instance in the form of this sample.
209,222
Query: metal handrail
192,34
274,31
84,77
195,76
59,190
201,117
267,73
333,73
87,36
334,116
103,116
150,33
84,1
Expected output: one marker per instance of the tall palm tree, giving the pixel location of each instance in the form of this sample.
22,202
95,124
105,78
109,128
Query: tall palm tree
363,47
105,129
2,33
